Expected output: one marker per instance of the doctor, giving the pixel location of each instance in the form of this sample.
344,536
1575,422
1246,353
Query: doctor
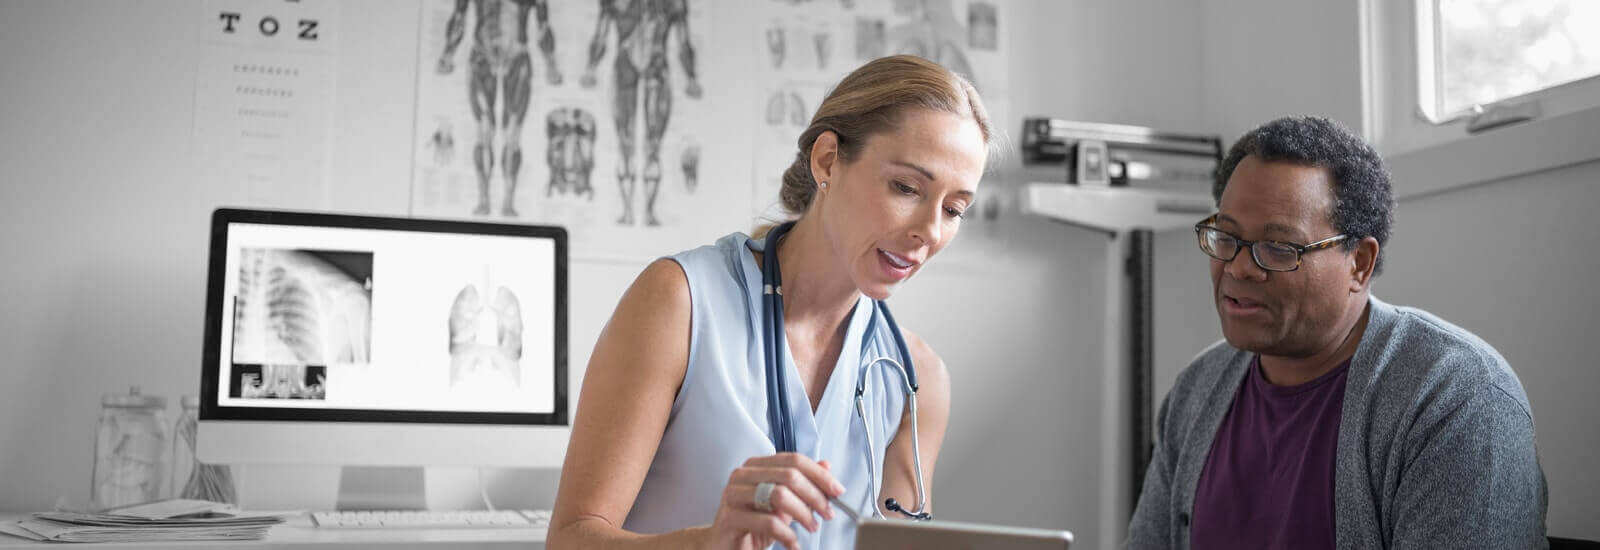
715,415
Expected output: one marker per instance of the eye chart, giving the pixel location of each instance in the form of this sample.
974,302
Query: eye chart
264,95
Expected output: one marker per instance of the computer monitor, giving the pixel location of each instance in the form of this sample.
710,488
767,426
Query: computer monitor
383,345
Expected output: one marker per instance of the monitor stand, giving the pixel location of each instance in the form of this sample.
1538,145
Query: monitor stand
382,488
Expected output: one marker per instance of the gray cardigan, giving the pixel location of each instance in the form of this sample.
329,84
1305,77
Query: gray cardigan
1436,445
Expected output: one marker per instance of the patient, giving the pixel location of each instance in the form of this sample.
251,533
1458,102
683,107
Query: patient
1328,418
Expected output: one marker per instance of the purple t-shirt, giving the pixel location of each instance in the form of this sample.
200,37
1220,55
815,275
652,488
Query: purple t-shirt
1268,482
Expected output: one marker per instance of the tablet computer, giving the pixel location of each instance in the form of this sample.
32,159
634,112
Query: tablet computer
950,535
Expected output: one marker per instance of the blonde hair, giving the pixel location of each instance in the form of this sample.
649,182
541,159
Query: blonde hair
870,101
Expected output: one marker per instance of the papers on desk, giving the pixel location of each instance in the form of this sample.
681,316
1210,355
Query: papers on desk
168,520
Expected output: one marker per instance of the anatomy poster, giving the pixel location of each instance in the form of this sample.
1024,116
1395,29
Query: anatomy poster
636,123
585,114
807,46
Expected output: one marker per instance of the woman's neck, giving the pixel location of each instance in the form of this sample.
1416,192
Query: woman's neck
816,293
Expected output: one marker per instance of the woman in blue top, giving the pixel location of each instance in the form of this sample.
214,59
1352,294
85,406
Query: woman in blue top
672,444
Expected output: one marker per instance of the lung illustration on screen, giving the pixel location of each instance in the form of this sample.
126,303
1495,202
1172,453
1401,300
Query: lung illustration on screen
485,335
303,307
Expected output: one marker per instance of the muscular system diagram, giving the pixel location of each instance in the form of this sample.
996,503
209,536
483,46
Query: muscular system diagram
640,71
500,83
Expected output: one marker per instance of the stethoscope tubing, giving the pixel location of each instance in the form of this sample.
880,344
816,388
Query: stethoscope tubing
778,417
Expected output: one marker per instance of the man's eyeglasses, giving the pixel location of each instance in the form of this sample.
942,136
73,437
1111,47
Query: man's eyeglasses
1269,255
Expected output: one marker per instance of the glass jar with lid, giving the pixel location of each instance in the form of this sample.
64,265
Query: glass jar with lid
131,449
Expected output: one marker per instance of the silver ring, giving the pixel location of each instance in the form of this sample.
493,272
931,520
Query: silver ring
764,496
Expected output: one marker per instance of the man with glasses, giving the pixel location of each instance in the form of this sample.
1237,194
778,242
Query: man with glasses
1327,418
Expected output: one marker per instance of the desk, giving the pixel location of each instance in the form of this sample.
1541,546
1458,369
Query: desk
299,534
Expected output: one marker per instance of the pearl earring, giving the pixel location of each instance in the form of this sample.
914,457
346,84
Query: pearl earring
823,185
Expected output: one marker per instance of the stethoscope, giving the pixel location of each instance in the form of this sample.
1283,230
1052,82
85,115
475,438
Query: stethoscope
778,416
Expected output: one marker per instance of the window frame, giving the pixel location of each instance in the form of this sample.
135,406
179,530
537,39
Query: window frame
1429,74
1426,157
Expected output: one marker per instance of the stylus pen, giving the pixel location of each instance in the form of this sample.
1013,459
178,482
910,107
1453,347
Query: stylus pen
854,516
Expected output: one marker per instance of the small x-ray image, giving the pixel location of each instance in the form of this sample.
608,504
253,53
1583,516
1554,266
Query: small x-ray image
302,307
279,382
485,336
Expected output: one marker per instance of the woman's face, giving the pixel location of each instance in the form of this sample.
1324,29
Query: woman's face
901,200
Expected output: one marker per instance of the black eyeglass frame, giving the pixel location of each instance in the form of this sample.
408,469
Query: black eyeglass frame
1300,250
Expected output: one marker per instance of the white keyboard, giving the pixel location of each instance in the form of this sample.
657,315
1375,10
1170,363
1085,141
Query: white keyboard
430,519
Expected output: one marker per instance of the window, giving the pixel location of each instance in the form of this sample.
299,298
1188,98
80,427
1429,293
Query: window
1533,65
1478,52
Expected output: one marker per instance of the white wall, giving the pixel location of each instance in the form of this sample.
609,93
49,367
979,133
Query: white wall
103,230
1265,58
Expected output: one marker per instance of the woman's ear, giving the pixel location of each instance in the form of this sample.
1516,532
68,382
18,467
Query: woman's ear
824,156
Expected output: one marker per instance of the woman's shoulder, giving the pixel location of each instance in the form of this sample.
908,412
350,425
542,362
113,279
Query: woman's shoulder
931,369
722,249
669,280
662,285
719,265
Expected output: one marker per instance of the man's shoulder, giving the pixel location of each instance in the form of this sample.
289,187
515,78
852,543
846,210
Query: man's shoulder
1414,348
1208,367
1419,339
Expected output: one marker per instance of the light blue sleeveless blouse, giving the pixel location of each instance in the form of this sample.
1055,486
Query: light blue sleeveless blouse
719,418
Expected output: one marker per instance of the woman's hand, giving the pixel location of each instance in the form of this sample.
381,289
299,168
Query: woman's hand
801,488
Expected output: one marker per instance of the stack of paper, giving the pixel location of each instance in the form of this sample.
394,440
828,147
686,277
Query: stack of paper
168,520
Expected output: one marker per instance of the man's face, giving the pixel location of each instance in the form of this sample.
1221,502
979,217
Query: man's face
1293,313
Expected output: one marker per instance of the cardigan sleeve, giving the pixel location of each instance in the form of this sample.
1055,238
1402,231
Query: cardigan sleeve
1471,479
1151,525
